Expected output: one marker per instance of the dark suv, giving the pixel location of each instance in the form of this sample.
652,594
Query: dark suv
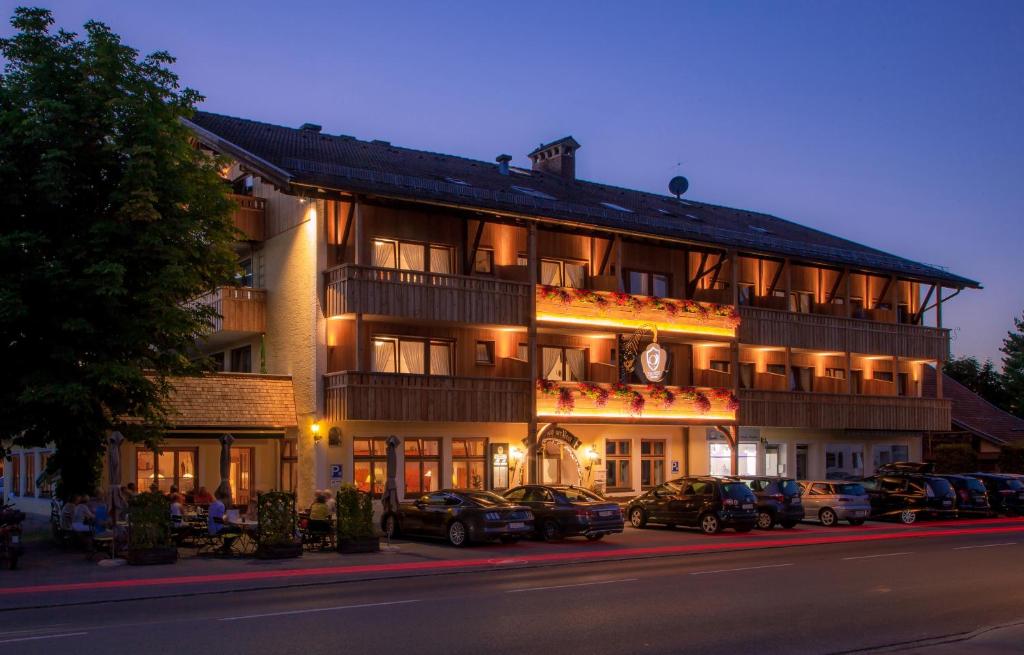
1005,492
778,501
566,511
907,495
708,503
971,495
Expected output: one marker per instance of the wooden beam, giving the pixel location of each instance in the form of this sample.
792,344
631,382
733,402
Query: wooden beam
348,228
884,293
924,305
691,286
734,283
360,235
716,270
835,287
604,260
471,255
618,264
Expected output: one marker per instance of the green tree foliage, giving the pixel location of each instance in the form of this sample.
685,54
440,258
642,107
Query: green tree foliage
955,458
1013,368
111,222
982,379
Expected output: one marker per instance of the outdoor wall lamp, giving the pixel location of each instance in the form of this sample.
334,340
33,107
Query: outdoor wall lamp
592,457
314,429
515,453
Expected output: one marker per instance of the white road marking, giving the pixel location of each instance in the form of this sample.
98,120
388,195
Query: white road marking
315,609
1008,543
36,638
874,556
745,568
567,586
37,629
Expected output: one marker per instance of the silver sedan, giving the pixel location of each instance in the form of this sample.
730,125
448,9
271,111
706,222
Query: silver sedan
834,501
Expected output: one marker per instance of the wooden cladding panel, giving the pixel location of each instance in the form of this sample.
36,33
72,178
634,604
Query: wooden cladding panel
772,327
396,397
842,411
239,309
355,289
250,216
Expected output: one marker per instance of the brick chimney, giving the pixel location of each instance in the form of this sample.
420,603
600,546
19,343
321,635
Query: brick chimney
558,157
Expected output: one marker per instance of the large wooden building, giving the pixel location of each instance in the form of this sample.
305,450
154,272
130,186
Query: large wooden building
499,321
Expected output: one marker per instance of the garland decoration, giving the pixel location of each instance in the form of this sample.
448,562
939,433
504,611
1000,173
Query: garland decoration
633,400
592,391
702,311
566,403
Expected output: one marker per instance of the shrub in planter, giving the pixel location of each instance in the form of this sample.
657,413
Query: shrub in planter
355,521
275,511
149,530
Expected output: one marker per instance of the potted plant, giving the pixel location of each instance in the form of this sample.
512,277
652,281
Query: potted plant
355,521
149,530
276,535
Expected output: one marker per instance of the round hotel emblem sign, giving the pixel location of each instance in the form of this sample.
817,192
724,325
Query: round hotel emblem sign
653,361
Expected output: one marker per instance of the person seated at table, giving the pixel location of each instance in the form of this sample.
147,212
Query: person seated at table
203,497
82,517
67,513
173,491
319,514
217,523
177,510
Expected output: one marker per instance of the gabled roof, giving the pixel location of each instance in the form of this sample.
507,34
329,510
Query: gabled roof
311,158
232,401
974,414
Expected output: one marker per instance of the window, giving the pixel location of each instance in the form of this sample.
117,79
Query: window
242,475
517,496
746,293
175,467
289,465
370,464
802,379
652,462
15,489
468,463
410,256
30,474
523,352
244,277
483,263
218,361
617,455
241,360
562,273
485,352
644,283
720,365
720,456
889,454
569,364
46,484
422,466
776,369
820,489
885,376
411,355
801,301
837,373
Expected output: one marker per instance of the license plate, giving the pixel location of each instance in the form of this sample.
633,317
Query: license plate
608,513
748,506
516,526
859,513
947,503
795,501
979,499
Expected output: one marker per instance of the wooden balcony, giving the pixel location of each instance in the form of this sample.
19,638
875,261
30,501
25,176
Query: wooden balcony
569,402
424,296
354,396
827,411
774,327
239,309
250,216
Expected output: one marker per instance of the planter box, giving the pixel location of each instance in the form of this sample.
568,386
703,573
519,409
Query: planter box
360,545
279,551
168,555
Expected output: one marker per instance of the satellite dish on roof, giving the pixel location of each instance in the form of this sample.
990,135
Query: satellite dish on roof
678,185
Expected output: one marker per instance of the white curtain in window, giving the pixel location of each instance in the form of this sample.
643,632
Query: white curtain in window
440,260
575,275
574,359
411,257
552,363
384,356
551,273
440,359
384,254
413,356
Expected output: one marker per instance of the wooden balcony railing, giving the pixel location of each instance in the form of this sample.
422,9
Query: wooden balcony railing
590,402
239,309
842,411
479,300
352,396
773,327
250,216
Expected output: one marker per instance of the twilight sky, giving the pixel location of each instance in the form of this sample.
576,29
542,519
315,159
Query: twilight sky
894,124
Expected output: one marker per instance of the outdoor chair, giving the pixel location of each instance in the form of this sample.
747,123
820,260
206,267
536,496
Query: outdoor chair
317,536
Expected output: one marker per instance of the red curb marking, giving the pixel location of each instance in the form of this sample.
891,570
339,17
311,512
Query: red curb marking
492,562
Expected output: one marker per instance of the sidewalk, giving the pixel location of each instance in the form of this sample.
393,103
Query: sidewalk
987,641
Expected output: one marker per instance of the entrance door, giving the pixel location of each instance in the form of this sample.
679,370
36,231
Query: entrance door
774,461
801,462
242,473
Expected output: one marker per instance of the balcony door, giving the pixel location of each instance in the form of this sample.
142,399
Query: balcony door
564,364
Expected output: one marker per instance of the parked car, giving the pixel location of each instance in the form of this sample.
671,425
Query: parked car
1005,492
708,503
906,467
778,501
908,495
461,517
971,495
567,511
832,501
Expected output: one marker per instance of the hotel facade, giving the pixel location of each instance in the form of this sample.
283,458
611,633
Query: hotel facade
516,324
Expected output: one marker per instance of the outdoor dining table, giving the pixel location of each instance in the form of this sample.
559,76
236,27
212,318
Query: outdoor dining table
246,542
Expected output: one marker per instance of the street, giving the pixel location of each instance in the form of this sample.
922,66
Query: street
823,598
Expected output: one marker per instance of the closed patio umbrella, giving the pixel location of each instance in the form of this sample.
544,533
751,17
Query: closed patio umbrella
117,503
225,467
390,497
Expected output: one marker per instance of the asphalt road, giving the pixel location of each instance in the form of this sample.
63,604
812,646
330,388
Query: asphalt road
812,599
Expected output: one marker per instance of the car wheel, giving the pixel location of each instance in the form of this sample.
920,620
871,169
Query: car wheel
744,528
457,535
828,518
856,521
551,531
908,516
390,525
765,521
637,518
509,540
789,525
594,537
710,524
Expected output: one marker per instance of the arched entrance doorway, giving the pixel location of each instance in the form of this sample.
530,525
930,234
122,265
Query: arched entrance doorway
559,462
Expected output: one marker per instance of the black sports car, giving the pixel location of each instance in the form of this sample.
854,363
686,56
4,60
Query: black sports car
461,517
566,511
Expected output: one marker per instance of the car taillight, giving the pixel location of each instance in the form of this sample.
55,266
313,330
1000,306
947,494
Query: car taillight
779,497
731,502
964,495
844,499
582,514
